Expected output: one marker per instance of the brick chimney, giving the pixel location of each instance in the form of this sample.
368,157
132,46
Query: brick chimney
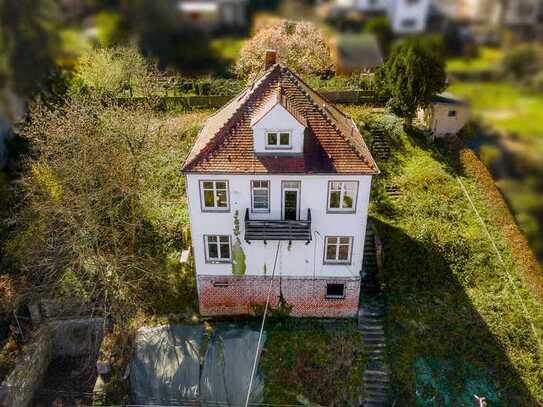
270,59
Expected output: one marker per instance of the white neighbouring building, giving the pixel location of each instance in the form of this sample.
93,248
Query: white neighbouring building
406,16
295,172
446,115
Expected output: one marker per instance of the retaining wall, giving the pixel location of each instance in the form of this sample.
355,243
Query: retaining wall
53,339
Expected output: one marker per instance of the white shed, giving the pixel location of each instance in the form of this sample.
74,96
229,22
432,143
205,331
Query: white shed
446,115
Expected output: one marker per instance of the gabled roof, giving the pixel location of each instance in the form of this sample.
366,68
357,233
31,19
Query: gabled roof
332,144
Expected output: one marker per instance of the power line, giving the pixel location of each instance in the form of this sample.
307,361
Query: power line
262,326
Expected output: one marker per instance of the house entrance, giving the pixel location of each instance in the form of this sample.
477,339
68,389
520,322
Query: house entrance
291,200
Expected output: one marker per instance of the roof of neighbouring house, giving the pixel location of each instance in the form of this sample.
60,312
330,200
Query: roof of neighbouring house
332,144
448,99
359,51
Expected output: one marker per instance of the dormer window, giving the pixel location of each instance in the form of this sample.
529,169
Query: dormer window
278,140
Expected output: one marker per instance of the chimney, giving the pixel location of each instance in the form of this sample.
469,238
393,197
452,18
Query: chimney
270,59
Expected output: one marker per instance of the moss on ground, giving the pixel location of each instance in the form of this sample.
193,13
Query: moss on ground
305,360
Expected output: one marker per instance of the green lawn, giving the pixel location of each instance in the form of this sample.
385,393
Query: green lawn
487,59
455,325
505,106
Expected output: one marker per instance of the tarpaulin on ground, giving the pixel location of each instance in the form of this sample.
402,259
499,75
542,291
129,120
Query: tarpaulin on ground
178,363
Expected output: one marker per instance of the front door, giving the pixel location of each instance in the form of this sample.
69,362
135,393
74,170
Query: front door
291,192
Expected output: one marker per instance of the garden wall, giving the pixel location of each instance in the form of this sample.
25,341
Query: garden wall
53,339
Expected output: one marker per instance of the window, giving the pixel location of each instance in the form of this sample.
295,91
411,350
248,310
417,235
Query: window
342,196
278,140
338,249
260,196
214,195
335,290
217,248
409,23
452,113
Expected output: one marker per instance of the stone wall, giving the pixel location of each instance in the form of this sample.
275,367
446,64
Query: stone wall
235,295
20,386
53,339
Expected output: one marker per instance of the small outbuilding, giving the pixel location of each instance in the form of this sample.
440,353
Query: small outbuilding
445,116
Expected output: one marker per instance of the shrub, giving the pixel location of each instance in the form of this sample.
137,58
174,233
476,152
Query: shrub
300,45
523,60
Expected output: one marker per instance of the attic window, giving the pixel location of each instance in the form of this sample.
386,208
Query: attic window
277,140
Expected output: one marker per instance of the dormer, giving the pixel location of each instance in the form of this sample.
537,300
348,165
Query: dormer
277,128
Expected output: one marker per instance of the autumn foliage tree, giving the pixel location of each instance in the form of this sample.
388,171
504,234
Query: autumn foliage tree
300,45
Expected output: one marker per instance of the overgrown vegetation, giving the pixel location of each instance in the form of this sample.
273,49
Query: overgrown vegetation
456,324
310,362
104,206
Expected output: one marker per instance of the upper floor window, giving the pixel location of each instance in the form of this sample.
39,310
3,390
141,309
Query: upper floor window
278,139
338,249
214,195
260,196
342,196
217,248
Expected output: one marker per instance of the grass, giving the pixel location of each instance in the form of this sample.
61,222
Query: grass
455,324
308,361
506,107
485,61
227,49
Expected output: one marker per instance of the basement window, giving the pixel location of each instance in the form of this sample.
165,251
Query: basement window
220,284
335,290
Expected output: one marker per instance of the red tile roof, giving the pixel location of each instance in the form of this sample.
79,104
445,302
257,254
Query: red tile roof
332,145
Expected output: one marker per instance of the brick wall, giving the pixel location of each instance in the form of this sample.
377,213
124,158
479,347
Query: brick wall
307,295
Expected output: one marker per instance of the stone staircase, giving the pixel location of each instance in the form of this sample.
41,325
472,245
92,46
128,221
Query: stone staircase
380,148
393,191
371,325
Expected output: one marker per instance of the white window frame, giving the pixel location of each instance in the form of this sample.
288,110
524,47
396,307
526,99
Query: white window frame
260,188
278,146
215,207
342,191
337,246
219,259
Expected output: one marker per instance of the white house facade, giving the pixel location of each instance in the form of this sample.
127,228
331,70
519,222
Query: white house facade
278,187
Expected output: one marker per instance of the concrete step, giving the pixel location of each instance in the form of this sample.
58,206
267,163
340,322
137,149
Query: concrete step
372,328
376,379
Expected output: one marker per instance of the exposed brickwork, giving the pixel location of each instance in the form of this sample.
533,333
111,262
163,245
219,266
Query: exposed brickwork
306,295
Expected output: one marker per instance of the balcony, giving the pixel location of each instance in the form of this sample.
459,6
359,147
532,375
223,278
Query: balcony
278,229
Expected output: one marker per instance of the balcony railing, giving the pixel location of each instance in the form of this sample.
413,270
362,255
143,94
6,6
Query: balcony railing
277,229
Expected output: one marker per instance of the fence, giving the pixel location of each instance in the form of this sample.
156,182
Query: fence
357,97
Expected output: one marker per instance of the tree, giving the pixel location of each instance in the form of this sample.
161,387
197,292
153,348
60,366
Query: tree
103,213
300,45
28,39
413,73
523,61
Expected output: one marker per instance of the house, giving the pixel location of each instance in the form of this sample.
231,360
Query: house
406,16
210,15
446,115
278,184
357,53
